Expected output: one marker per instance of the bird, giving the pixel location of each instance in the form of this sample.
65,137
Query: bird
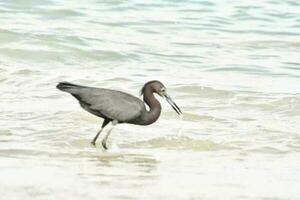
119,107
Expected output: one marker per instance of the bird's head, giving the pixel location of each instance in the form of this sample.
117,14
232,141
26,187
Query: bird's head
160,89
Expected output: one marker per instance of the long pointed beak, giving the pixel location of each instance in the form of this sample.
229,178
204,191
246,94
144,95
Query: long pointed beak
173,104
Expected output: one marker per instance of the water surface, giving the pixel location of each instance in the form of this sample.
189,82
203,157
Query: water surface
233,68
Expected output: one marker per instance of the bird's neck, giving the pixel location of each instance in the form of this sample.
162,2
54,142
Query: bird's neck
154,105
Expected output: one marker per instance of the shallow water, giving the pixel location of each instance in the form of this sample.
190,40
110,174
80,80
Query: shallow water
232,67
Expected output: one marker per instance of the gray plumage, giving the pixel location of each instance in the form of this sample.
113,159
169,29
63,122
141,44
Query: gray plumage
106,103
119,107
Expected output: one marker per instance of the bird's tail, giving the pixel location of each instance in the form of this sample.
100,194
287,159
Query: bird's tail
68,87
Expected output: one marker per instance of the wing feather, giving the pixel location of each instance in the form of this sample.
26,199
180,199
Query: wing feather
111,104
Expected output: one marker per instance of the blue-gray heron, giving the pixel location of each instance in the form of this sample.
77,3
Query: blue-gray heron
119,107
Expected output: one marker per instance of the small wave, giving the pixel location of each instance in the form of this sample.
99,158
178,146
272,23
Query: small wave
183,142
119,79
26,72
202,91
59,13
267,150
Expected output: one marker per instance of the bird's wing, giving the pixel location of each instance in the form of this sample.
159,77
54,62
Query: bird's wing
112,104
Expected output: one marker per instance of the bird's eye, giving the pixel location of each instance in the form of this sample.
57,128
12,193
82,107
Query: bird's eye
163,89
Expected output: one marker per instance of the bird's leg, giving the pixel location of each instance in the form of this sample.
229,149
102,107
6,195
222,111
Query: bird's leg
93,142
105,122
108,133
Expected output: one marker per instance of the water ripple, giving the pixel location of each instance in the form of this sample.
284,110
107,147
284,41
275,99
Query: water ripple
233,68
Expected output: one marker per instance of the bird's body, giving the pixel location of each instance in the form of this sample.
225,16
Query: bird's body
117,106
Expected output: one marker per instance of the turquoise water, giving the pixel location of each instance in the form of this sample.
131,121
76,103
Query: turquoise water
233,67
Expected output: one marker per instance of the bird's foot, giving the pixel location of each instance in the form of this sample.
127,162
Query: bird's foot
93,143
104,145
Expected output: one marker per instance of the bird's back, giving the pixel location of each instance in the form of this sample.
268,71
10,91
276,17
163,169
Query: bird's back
106,103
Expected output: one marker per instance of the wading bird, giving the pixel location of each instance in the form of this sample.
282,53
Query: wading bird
119,107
